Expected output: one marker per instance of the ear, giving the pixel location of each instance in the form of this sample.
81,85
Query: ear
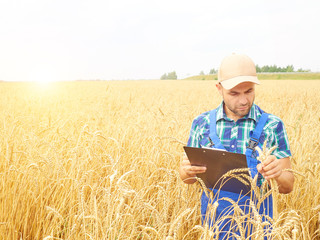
219,87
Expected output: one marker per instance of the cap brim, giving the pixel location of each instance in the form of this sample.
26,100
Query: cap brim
232,82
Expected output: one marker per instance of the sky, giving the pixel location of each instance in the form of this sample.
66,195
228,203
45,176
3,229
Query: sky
48,40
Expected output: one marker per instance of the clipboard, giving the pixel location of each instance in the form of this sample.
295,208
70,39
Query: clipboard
218,163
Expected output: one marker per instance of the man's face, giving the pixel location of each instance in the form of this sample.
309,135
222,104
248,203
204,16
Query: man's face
238,100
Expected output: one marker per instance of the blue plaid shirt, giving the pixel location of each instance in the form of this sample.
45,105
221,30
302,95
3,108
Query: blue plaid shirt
235,135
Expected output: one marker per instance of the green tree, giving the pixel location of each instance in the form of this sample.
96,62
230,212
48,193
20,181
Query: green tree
275,68
213,71
172,75
164,76
258,69
303,70
290,68
201,73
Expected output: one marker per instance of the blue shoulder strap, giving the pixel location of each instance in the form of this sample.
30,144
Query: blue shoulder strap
253,142
213,137
266,205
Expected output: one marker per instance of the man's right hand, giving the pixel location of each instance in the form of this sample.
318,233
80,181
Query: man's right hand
188,172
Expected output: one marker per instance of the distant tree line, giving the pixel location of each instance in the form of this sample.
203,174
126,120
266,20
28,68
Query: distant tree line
267,68
263,69
212,71
170,75
275,68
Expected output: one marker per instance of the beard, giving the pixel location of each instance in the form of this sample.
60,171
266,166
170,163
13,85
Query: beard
240,110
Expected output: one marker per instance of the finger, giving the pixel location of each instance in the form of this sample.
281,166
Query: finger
273,173
269,160
185,162
268,167
192,170
272,167
186,165
259,168
199,168
271,176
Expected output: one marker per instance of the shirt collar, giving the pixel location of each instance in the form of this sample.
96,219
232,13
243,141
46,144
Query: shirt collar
222,115
252,113
220,112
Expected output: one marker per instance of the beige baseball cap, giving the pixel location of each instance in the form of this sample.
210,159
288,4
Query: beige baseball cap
235,69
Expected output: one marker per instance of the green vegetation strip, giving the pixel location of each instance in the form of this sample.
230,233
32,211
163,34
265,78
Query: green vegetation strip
267,76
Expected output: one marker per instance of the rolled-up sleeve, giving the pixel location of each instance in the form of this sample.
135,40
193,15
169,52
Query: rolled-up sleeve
281,141
194,135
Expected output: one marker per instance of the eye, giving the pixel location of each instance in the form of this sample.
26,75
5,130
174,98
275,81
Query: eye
250,90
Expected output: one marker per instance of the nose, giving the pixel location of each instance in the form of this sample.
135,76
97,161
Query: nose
243,100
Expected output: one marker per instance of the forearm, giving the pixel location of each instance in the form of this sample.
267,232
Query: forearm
285,182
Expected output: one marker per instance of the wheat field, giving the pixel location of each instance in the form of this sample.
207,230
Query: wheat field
100,159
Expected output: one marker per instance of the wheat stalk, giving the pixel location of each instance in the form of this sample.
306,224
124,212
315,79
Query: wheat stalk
264,153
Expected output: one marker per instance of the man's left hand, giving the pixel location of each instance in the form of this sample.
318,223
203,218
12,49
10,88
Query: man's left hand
270,168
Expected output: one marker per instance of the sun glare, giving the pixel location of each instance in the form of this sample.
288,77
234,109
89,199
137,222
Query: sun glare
44,84
44,77
44,74
44,80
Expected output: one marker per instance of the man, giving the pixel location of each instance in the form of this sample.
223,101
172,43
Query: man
233,126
